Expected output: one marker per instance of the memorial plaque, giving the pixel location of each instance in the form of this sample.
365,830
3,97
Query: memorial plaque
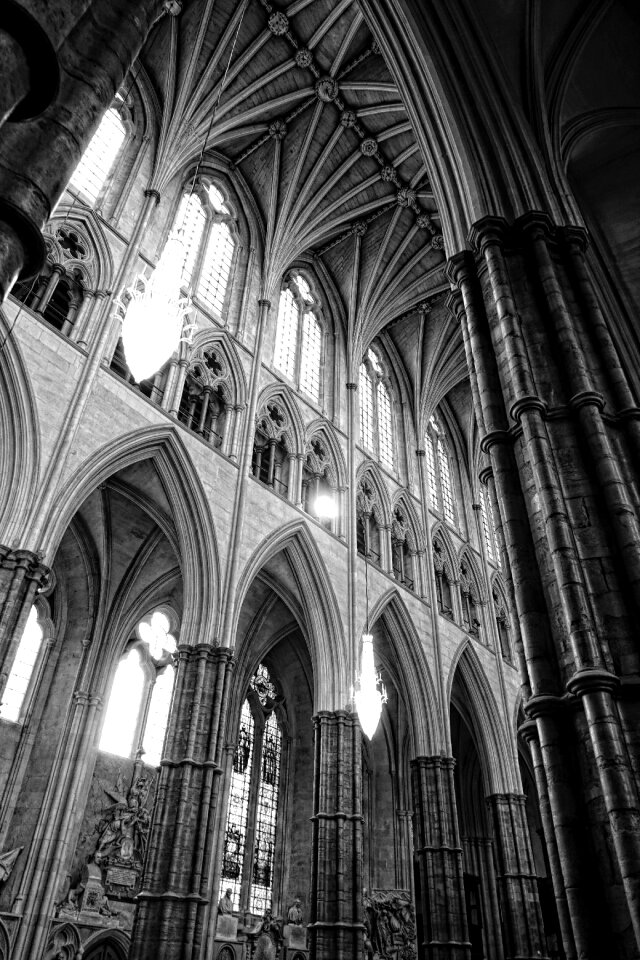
227,927
121,877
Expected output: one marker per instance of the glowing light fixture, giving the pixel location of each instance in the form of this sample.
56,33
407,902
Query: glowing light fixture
325,507
369,693
157,315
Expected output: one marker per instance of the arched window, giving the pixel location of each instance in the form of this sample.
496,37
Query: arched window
369,540
317,479
402,554
469,596
22,669
444,579
248,861
502,623
489,526
439,472
98,159
271,456
376,414
299,336
208,232
137,712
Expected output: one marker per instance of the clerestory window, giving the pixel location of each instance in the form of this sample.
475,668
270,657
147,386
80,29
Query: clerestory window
98,159
489,526
376,416
248,862
138,708
439,472
208,228
299,337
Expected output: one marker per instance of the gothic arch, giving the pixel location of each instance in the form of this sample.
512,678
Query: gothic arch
318,606
322,428
408,666
293,430
369,470
20,449
116,940
468,689
440,533
97,266
232,378
192,514
476,580
415,535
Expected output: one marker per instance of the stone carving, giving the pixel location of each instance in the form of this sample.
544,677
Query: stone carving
390,926
294,913
278,130
348,118
125,829
437,242
388,174
304,58
225,904
327,89
369,146
406,197
359,228
278,24
63,943
269,938
8,862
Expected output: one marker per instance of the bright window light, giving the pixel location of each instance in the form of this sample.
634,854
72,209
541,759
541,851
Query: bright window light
286,334
158,716
89,176
22,669
216,266
366,408
311,356
124,706
385,425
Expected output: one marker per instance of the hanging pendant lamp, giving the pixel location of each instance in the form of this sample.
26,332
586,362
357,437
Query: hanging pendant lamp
369,692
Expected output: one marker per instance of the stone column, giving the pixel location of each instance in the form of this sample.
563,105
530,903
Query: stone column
29,71
517,884
479,860
38,157
173,905
438,861
22,576
336,927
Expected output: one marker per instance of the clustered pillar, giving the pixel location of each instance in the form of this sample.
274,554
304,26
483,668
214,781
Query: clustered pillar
337,928
22,576
559,424
442,925
174,903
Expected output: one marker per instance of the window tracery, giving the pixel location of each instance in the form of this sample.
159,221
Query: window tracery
272,448
252,820
439,472
100,156
299,336
208,228
206,404
489,526
376,411
137,711
318,477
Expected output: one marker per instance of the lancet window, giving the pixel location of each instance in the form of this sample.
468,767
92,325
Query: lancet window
368,533
98,159
439,472
489,526
376,412
138,707
444,578
271,454
300,336
318,478
208,229
249,861
21,674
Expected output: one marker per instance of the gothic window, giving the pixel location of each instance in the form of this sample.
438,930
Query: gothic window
56,294
137,712
376,414
469,596
317,478
439,472
489,526
502,623
444,579
402,556
203,406
271,456
22,669
248,861
208,229
299,336
369,541
98,159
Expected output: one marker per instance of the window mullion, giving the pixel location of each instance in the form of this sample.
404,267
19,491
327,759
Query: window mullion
143,713
252,817
299,343
376,415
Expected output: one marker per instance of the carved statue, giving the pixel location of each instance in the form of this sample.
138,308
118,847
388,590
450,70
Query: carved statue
390,929
294,914
125,829
268,939
225,905
8,862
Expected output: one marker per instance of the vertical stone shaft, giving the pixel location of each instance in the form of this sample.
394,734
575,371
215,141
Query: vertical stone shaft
38,157
173,902
29,72
336,928
21,577
479,859
517,885
529,731
438,859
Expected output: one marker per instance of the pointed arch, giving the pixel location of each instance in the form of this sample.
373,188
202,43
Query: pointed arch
191,515
318,606
293,431
440,534
408,666
322,428
469,690
232,377
467,557
97,265
403,500
370,470
19,419
116,939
